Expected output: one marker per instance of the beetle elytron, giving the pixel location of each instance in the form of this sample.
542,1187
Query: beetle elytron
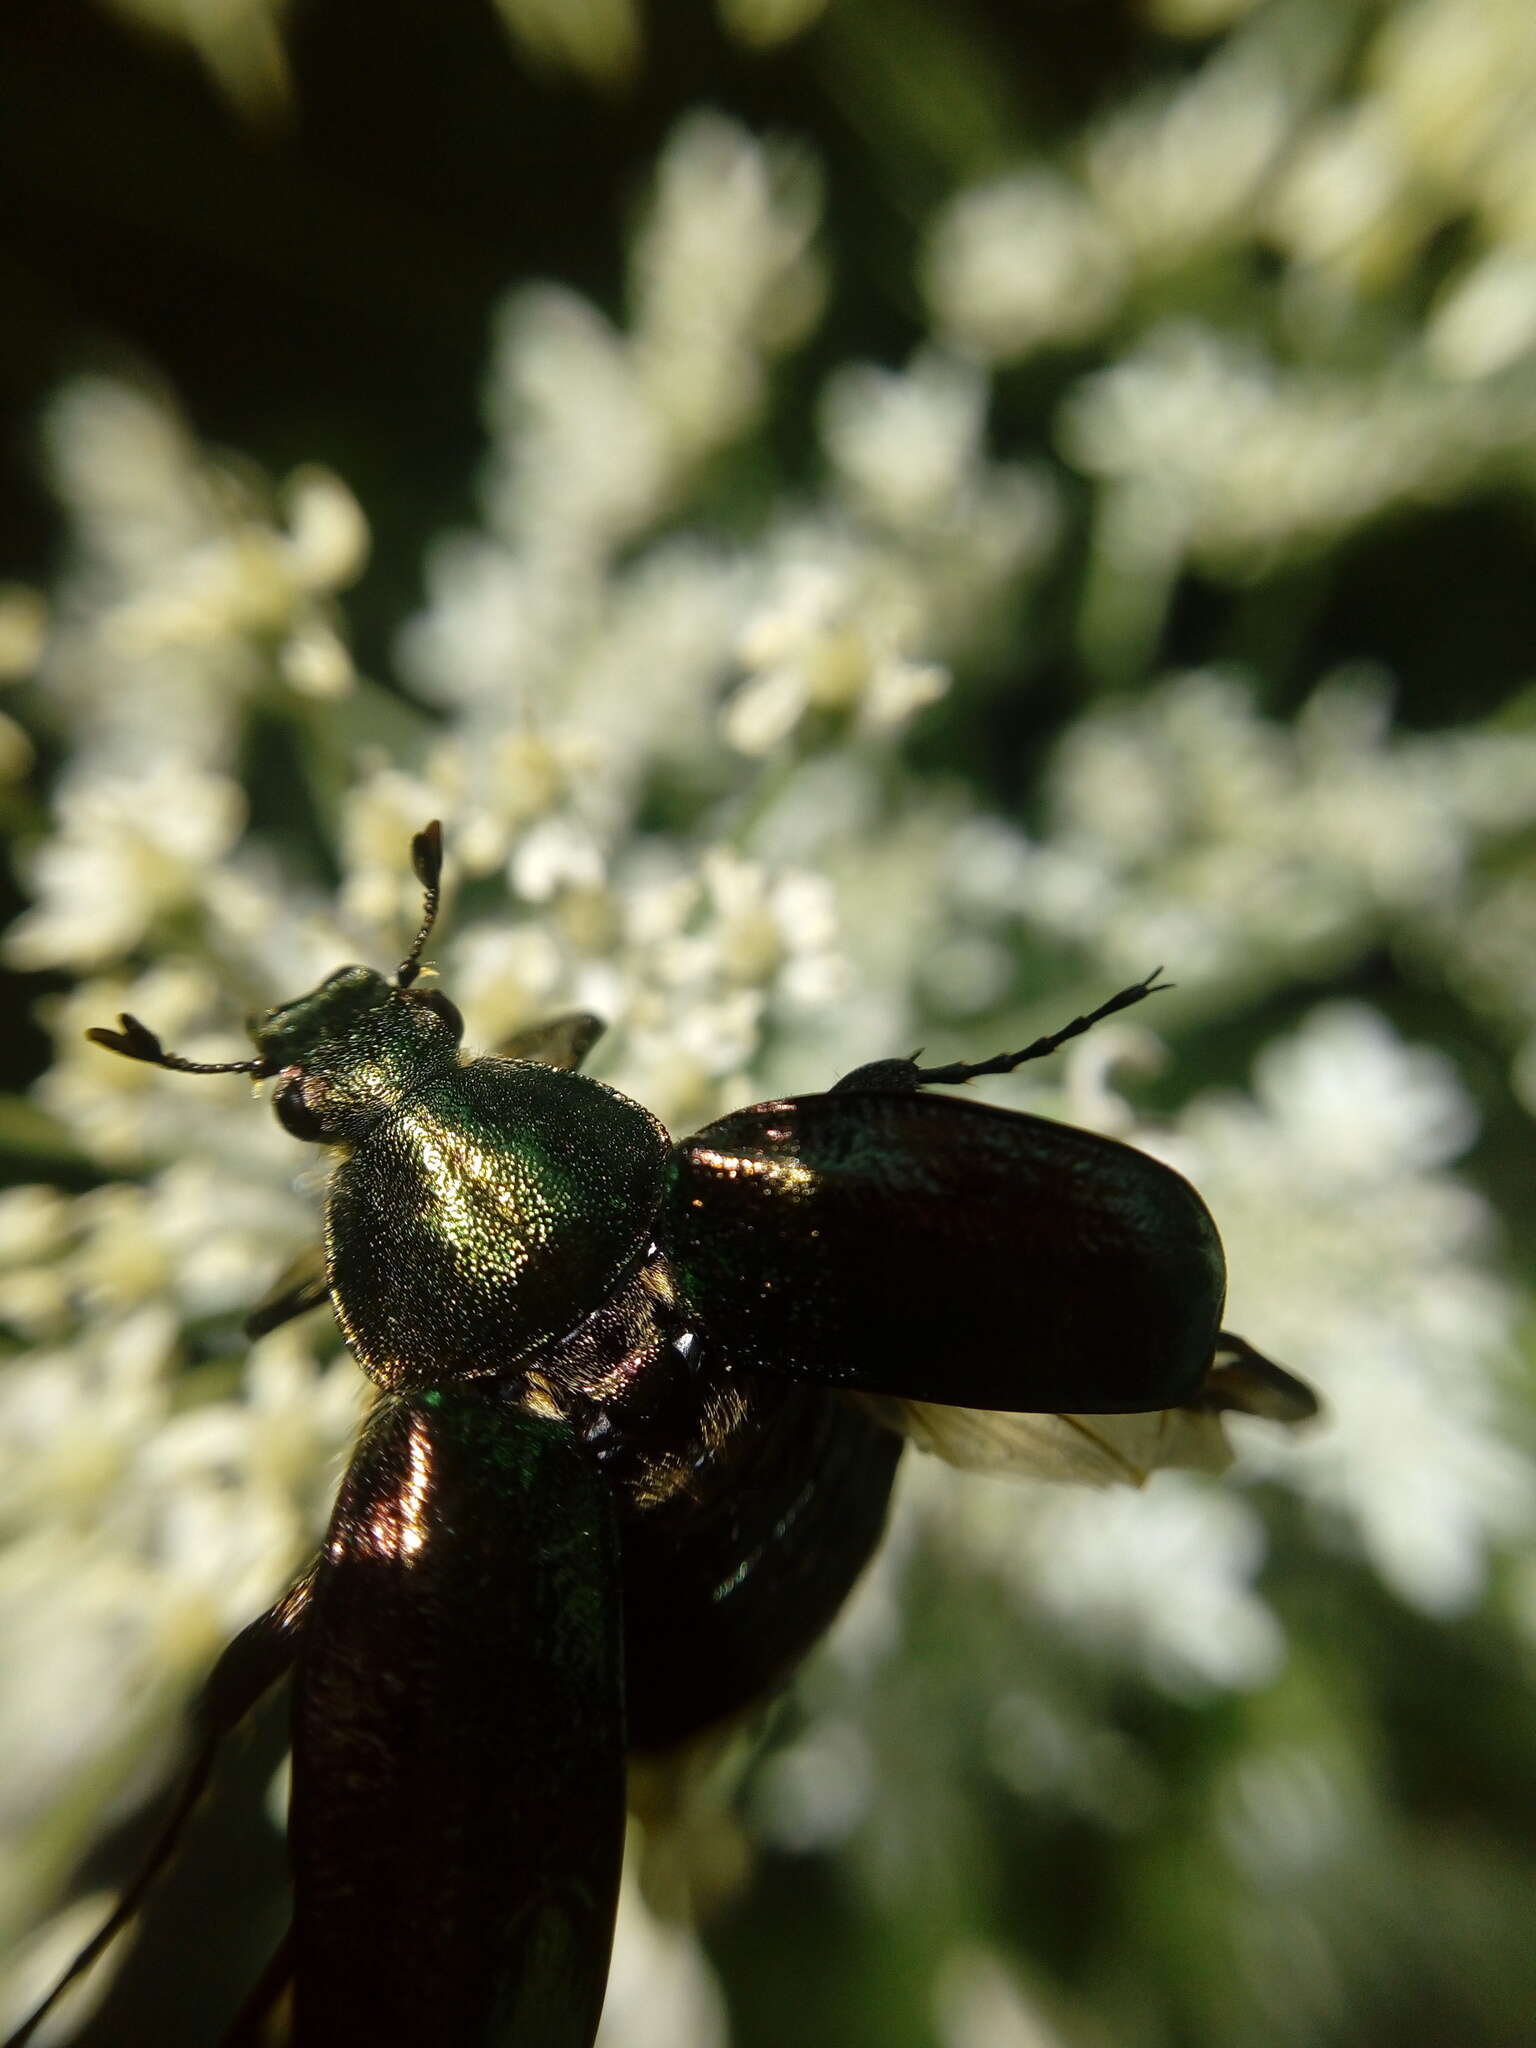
624,1467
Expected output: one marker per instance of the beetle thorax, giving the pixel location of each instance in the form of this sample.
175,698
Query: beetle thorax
489,1215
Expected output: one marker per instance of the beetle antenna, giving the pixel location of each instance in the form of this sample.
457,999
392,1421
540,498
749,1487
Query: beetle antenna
1005,1062
427,860
135,1041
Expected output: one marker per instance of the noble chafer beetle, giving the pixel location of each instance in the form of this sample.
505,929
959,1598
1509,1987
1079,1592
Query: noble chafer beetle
633,1447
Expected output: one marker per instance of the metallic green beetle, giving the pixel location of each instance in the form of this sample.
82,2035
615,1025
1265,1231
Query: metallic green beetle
628,1457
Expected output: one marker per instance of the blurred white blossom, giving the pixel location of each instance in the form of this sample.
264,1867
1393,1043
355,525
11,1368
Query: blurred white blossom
1186,827
1348,1139
1178,171
239,41
1161,1580
661,1991
670,759
1022,263
600,38
978,2004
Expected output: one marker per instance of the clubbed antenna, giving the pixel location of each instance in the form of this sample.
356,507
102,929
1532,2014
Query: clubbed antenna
427,860
135,1041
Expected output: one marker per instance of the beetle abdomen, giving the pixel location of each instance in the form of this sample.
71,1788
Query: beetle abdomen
747,1505
483,1219
724,1594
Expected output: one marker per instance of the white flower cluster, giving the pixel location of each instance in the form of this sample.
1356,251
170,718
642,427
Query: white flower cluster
1183,824
240,42
669,762
194,591
1336,142
1331,1175
579,664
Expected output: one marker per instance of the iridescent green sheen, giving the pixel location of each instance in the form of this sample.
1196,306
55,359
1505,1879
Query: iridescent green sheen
480,1210
485,1217
359,1044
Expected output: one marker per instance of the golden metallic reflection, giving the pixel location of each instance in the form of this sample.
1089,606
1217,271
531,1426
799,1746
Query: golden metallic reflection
464,1178
398,1527
789,1174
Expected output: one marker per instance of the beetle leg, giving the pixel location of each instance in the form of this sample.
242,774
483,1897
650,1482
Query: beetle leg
901,1076
300,1287
1243,1379
248,1666
558,1042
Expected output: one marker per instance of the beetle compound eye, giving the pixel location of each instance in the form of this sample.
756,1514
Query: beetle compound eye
296,1115
433,999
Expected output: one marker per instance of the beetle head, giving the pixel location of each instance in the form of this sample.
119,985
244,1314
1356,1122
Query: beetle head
350,1048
